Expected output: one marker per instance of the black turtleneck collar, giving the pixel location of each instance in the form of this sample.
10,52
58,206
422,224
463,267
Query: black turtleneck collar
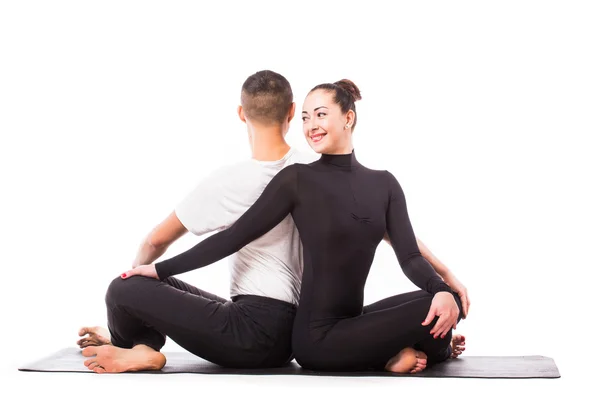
340,160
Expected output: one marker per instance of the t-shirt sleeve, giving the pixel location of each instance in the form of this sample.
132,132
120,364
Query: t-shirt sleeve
402,238
203,209
273,205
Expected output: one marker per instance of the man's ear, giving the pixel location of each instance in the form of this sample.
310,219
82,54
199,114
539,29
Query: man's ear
241,114
292,112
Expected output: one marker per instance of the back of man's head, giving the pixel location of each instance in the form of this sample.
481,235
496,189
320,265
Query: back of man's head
267,97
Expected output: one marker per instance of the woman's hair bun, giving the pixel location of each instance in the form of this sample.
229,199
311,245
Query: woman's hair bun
349,87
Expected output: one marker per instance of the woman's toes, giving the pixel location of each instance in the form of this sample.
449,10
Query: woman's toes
421,362
402,362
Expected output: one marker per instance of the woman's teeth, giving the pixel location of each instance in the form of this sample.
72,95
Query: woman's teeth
317,138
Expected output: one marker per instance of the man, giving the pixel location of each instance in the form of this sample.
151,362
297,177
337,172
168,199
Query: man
253,328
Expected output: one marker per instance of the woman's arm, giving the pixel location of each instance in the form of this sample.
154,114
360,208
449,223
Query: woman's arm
403,241
273,205
444,272
437,265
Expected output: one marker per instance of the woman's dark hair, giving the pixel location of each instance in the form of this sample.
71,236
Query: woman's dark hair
346,93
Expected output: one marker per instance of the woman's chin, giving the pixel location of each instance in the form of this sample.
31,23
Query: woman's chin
317,147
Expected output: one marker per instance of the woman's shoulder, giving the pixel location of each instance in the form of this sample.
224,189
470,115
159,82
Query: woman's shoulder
378,173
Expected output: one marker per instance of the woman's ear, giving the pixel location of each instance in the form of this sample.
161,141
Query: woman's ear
350,115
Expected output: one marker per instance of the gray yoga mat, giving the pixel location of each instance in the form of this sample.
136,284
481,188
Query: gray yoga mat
71,360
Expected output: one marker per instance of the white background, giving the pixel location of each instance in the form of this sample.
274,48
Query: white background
487,114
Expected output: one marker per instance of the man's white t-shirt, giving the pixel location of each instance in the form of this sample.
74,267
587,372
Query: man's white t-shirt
269,266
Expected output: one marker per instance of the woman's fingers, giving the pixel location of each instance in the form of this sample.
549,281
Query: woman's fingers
129,273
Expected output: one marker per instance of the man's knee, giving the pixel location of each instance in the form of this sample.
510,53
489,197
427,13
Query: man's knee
120,290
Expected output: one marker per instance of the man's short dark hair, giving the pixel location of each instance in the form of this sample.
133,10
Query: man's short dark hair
267,97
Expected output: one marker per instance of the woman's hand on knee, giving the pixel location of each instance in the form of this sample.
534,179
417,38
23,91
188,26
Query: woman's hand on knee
444,306
142,270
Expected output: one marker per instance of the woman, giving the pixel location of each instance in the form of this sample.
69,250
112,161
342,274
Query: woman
342,211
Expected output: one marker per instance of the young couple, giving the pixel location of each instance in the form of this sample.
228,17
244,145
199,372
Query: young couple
303,230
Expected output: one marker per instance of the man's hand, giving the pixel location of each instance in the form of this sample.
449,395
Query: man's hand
143,270
444,306
459,288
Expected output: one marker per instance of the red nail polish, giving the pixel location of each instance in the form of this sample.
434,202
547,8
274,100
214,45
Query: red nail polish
123,275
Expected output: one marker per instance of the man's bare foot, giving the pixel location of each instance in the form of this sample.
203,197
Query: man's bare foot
457,345
114,359
96,336
407,360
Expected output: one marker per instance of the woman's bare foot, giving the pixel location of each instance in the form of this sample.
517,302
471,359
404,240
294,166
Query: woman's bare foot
407,360
96,336
115,359
457,345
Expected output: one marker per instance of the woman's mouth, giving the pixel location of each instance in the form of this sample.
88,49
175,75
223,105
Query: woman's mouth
317,138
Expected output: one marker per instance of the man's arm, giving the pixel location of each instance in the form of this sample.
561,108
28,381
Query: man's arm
203,210
159,240
275,202
437,265
444,272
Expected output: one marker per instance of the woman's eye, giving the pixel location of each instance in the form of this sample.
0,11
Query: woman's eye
321,114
